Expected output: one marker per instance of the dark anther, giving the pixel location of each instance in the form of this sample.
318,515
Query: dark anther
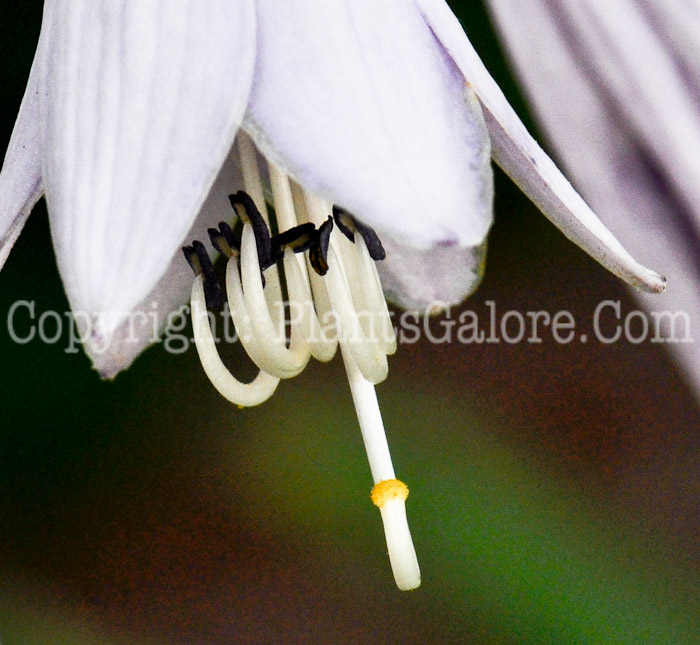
372,241
349,226
192,259
198,258
224,241
318,251
345,222
248,212
299,239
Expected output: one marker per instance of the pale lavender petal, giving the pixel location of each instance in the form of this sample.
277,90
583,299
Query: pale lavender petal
428,280
20,178
619,164
358,102
140,107
527,164
113,353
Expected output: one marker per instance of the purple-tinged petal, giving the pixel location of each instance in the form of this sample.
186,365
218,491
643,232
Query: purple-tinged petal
113,353
528,165
20,178
428,280
140,107
357,101
621,167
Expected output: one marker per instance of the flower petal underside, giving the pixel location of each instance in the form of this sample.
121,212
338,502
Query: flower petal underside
356,100
430,279
20,179
528,165
151,316
619,167
643,57
140,107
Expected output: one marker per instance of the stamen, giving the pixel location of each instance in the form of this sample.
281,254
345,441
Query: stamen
345,222
274,358
192,259
374,299
299,239
305,310
305,207
249,214
253,186
364,349
302,315
318,253
198,258
349,225
224,241
282,197
244,394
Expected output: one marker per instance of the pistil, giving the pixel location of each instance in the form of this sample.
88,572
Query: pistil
389,494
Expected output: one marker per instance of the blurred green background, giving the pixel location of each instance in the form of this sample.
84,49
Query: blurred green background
554,487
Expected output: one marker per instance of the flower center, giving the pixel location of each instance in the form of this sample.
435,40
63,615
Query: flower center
334,300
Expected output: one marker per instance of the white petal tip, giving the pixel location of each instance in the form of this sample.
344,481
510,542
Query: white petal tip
415,278
114,351
650,282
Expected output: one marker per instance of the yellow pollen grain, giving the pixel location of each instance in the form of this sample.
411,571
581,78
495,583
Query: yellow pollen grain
388,489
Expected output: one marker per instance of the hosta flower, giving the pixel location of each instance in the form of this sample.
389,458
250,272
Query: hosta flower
380,108
615,86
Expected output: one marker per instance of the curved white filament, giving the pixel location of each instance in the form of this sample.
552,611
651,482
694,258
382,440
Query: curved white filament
290,361
254,187
245,394
365,350
282,196
374,297
302,312
241,317
255,326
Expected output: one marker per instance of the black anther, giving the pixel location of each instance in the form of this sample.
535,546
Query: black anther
345,222
224,240
192,259
198,258
299,239
349,226
246,209
318,251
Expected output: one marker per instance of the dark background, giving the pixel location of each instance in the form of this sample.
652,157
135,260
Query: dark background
554,487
